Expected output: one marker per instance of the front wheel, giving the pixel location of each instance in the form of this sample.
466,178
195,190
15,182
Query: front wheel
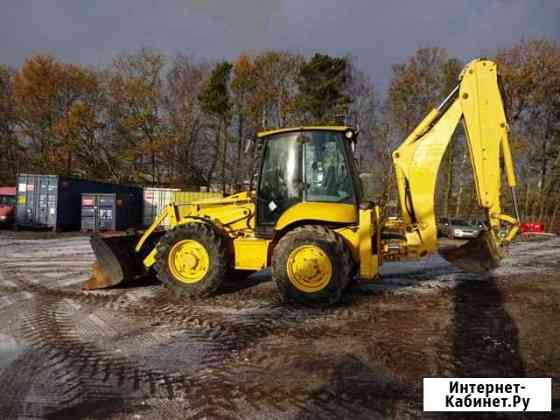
312,265
192,259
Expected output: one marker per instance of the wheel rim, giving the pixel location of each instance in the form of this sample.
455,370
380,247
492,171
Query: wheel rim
309,268
188,261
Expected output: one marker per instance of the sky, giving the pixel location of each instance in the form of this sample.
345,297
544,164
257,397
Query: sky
376,33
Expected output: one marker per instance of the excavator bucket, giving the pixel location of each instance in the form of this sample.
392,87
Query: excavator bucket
116,260
476,256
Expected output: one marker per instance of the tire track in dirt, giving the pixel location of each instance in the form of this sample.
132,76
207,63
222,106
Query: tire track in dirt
52,264
226,382
50,335
86,372
263,389
231,332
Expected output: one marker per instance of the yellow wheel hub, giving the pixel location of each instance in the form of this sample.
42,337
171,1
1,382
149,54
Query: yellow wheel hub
309,268
188,261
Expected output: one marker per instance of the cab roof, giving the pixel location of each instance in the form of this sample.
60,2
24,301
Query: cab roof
337,128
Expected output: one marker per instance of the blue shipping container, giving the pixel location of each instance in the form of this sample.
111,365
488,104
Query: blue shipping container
54,201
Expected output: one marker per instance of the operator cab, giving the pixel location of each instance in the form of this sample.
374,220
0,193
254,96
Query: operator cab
305,165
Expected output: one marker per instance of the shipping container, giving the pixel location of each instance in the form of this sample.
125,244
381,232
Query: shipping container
155,200
116,211
187,197
54,201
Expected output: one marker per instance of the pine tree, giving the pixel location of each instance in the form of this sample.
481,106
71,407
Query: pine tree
215,101
322,83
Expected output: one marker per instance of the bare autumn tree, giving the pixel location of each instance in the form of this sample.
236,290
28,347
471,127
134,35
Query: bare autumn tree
364,110
135,112
243,85
12,151
531,74
264,88
417,86
187,157
275,96
456,158
87,132
375,142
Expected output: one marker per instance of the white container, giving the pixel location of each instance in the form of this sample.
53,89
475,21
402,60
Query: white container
155,200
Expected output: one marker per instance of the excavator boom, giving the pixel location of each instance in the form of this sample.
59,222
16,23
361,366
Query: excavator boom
477,102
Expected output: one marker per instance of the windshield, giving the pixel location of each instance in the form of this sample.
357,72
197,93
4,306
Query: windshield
8,200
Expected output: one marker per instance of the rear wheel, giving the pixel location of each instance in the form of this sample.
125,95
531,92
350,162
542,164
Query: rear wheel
312,265
192,259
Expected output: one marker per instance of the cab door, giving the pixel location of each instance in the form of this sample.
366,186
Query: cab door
328,172
280,182
301,170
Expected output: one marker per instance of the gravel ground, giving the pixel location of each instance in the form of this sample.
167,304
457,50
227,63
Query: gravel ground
137,352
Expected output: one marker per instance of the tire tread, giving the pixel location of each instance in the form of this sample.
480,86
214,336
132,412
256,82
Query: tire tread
343,264
215,243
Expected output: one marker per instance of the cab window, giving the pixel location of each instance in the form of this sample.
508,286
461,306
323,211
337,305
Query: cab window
327,174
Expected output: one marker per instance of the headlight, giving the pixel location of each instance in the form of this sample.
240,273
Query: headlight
3,217
349,134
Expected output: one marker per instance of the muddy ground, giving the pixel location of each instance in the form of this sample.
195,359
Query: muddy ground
137,352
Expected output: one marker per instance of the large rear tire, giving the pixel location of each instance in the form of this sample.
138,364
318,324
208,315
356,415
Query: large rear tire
192,260
312,265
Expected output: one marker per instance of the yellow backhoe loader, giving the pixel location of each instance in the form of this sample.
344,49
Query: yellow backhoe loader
308,220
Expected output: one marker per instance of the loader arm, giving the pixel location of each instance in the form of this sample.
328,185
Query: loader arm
477,102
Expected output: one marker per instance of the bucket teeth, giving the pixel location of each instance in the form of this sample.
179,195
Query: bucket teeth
476,256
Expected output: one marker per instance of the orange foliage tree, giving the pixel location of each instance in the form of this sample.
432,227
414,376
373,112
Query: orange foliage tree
12,153
135,114
45,92
531,77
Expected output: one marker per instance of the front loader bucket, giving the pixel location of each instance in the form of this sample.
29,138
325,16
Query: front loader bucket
476,256
117,261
